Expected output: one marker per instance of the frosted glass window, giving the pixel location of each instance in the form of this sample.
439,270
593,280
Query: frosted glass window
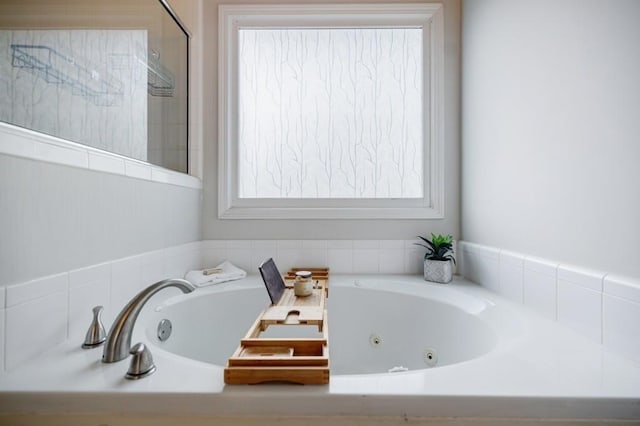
330,113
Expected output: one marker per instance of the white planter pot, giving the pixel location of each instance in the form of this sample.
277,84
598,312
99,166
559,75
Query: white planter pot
439,271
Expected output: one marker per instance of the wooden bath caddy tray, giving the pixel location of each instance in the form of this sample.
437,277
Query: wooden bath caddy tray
304,360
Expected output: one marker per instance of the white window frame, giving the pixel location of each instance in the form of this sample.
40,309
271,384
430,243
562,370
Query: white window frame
429,17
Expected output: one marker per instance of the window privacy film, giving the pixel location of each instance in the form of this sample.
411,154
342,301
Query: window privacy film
330,113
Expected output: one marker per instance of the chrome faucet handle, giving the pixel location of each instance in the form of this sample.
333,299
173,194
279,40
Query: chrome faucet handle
142,362
96,334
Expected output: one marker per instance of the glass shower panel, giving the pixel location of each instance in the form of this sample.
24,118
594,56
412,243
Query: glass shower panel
109,75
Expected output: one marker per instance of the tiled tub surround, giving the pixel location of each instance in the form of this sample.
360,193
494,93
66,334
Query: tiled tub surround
45,312
58,308
601,306
342,256
572,377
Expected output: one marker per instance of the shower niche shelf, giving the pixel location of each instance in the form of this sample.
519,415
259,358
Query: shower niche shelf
289,340
75,74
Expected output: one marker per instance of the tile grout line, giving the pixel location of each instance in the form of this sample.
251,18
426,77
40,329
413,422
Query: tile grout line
602,321
556,291
68,334
4,341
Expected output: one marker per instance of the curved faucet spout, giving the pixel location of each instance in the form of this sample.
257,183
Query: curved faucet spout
118,341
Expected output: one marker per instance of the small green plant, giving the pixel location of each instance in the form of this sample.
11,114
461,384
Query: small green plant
439,247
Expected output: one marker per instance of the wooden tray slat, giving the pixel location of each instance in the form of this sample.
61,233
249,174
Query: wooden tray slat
299,360
253,375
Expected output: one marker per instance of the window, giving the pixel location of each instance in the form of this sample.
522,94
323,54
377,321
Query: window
330,111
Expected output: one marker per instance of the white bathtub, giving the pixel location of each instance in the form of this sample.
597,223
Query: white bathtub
495,359
374,326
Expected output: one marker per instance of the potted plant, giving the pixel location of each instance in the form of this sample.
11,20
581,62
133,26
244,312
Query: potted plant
438,258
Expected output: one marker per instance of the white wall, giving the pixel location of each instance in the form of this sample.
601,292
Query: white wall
328,229
54,218
551,129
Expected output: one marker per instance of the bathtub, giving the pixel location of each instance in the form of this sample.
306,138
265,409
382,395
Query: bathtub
399,347
375,326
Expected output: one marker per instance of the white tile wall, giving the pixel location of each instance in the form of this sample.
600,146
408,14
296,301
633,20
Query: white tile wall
24,292
414,258
137,170
580,300
512,276
581,309
39,146
391,257
583,277
341,260
391,261
88,287
126,281
2,328
240,252
621,325
313,253
623,287
366,260
540,286
106,163
482,265
57,153
152,266
604,308
59,307
621,315
43,319
342,256
213,252
261,250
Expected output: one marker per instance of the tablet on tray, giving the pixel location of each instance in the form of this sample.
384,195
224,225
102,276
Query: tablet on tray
272,280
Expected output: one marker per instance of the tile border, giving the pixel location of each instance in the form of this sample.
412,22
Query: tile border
20,142
481,264
478,262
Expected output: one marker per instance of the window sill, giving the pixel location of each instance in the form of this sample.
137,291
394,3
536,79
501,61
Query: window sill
330,213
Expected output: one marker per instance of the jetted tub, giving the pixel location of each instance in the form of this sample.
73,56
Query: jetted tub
495,359
375,326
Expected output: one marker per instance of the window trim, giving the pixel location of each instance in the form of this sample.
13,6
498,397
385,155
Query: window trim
429,16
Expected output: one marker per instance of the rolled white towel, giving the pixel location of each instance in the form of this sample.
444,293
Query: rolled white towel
226,271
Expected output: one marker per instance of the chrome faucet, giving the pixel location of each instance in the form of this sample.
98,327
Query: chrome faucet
118,342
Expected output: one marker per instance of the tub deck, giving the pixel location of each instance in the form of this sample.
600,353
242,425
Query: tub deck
545,371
